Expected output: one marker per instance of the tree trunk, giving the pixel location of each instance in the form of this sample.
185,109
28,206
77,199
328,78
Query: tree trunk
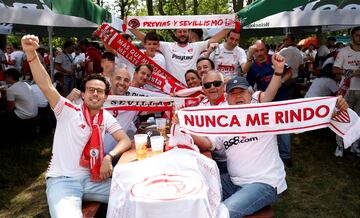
237,5
150,7
196,6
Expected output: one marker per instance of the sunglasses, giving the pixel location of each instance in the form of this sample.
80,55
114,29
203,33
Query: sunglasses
216,83
92,90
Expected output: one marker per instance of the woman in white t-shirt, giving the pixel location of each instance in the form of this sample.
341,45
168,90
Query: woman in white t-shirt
324,85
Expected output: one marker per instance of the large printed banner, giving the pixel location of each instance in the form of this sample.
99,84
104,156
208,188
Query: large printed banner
182,22
160,78
292,116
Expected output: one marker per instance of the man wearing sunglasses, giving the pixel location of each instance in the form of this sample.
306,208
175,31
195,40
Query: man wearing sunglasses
78,169
213,88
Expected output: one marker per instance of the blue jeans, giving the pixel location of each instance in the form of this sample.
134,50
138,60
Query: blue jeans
246,199
284,146
65,194
69,83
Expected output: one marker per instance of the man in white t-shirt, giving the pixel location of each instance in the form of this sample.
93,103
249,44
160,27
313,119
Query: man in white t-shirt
294,59
182,55
256,173
151,45
120,82
324,50
20,98
64,63
228,57
348,59
78,170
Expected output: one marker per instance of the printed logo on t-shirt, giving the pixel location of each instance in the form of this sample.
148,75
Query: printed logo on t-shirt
182,58
238,140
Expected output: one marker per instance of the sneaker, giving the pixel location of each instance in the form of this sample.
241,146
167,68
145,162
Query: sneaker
339,151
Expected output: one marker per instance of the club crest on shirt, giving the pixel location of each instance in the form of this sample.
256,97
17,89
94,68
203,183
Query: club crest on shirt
94,152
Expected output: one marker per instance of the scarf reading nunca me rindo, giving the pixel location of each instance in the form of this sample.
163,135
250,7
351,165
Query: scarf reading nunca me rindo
93,152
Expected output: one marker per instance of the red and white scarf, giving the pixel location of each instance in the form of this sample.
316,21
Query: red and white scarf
293,116
178,22
160,78
93,152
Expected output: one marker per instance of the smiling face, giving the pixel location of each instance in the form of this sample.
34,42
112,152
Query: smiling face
142,76
214,91
120,81
182,36
238,96
151,47
192,80
94,95
203,67
232,40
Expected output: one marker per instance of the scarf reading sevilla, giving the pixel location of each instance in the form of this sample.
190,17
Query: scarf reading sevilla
93,152
185,22
281,117
160,78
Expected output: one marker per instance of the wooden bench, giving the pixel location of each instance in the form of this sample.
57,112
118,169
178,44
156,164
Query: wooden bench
90,209
266,212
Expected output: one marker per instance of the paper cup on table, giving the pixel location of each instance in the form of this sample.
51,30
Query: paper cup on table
140,146
161,126
157,144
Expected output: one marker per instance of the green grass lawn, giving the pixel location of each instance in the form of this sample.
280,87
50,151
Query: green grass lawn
319,185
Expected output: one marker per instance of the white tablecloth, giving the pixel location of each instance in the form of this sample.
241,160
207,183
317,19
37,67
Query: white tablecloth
179,183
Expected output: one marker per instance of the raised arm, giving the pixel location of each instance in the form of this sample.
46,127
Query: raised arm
29,44
140,35
278,62
218,36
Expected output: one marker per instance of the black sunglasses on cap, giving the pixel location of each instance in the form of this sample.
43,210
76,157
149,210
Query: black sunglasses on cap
216,83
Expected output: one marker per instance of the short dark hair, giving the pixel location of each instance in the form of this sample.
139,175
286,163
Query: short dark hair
68,44
84,42
126,36
152,36
290,36
95,76
146,65
353,30
108,55
194,72
232,31
206,59
15,45
13,73
198,32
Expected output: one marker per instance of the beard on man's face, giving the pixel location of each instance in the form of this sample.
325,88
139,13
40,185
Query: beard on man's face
183,39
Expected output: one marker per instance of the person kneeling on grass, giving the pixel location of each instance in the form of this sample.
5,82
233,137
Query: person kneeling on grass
78,169
256,174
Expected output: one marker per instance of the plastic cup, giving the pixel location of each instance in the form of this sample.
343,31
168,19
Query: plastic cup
161,126
140,146
157,144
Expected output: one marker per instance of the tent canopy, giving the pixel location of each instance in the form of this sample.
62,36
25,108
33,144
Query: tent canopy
299,16
67,17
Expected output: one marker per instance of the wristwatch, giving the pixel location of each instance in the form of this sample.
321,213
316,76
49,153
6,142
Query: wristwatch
278,74
112,154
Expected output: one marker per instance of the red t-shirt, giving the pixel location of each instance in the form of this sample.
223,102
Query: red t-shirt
93,55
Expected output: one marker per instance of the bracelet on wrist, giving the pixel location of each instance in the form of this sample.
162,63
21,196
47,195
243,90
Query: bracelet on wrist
278,74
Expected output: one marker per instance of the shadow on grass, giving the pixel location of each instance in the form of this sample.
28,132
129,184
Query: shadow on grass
23,163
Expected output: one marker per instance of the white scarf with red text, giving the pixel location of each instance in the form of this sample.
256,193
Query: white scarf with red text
182,22
293,116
